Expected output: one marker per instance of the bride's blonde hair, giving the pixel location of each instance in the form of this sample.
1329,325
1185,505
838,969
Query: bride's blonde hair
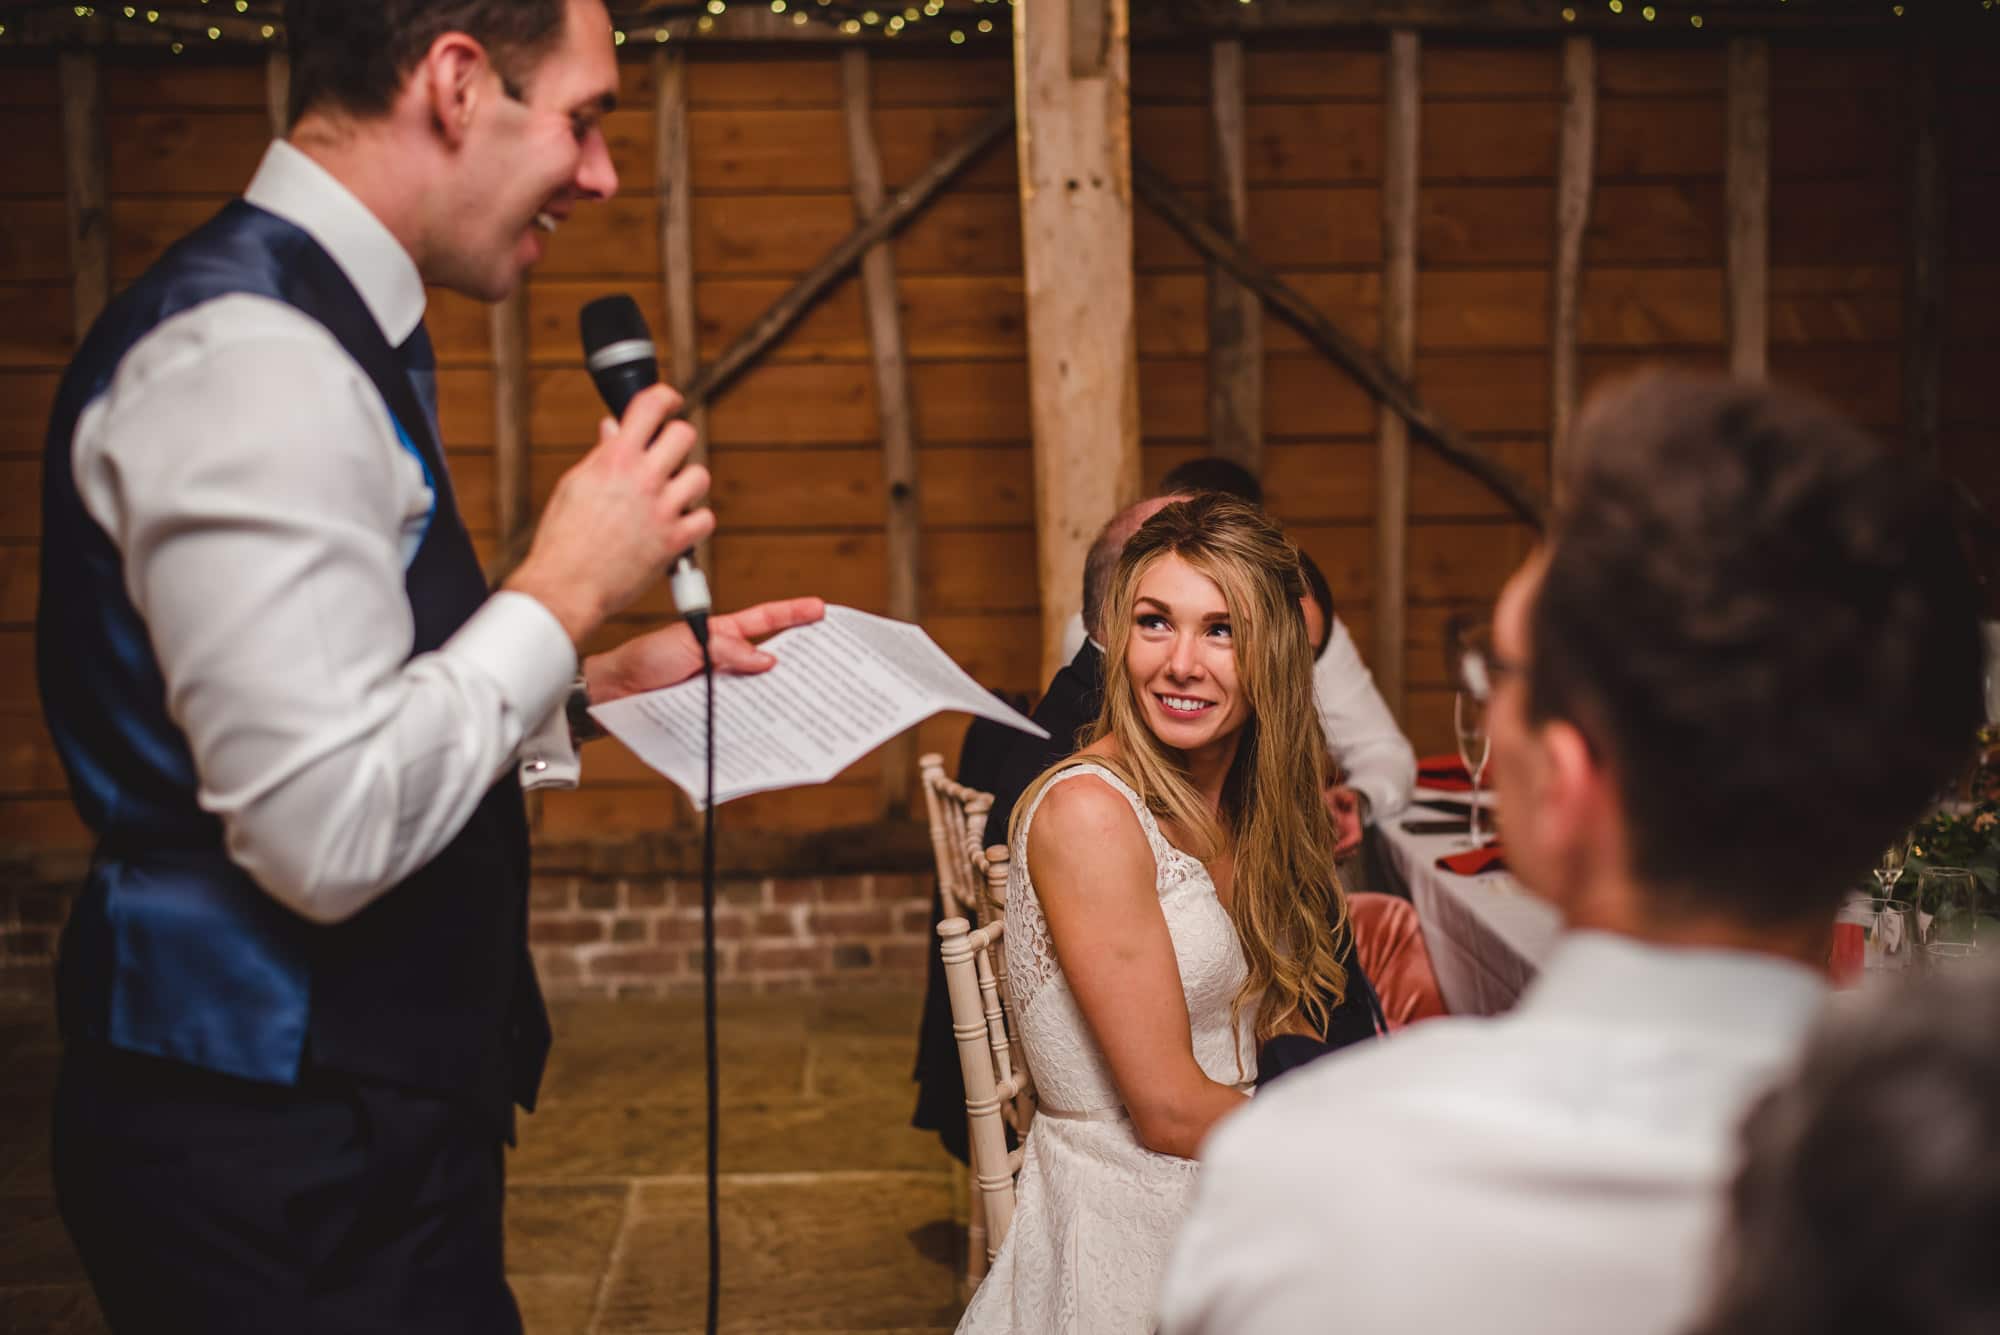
1288,906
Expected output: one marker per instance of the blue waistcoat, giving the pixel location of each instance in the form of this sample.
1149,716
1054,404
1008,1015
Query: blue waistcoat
171,948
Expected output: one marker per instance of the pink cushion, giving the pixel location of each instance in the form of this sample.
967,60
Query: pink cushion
1390,945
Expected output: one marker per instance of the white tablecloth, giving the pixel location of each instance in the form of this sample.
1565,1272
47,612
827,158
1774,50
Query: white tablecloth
1487,936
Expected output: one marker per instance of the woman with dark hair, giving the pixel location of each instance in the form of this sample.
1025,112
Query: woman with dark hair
1172,904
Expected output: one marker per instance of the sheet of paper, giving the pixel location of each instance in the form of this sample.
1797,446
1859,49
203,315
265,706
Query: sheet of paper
841,688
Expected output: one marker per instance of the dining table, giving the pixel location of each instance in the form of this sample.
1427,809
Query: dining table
1487,935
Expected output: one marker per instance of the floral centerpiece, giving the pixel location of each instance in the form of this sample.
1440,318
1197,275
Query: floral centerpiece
1963,833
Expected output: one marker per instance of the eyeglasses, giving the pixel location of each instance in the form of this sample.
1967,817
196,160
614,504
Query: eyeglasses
1471,663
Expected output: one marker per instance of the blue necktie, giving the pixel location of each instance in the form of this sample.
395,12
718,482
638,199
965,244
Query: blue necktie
420,360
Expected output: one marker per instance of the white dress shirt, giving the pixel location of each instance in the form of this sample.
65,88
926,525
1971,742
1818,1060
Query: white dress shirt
1557,1169
1373,755
251,477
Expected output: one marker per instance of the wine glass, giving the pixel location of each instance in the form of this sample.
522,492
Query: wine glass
1951,896
1474,744
1889,868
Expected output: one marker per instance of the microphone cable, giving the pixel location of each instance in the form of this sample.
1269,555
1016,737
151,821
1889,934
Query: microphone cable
619,353
698,623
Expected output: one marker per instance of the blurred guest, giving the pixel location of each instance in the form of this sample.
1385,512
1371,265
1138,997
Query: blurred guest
1746,656
1869,1198
1171,902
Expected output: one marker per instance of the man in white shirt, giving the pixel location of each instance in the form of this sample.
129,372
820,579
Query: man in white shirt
296,997
1747,656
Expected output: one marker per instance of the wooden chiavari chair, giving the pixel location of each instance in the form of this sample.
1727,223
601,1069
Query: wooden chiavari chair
999,1092
958,821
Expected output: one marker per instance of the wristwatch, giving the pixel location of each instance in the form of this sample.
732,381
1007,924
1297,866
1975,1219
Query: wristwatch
576,708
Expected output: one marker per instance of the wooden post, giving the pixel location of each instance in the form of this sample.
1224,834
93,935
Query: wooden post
1574,183
507,326
1399,339
1922,276
1235,316
83,188
674,193
1748,187
892,392
278,91
1074,137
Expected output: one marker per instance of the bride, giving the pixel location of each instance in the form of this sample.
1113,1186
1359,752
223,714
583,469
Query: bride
1172,904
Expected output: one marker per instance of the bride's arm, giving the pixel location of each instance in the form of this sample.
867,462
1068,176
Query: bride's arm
1095,879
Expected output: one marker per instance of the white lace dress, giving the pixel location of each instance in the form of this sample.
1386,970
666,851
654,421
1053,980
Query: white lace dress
1096,1211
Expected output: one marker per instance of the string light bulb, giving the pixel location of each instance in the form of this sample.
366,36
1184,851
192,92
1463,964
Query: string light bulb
617,37
1618,6
1695,20
986,25
777,6
1649,13
1569,14
798,18
268,31
660,34
958,37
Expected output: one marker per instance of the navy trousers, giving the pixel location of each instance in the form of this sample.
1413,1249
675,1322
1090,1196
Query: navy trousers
200,1202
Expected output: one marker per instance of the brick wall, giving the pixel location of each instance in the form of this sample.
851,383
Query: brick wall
624,919
603,935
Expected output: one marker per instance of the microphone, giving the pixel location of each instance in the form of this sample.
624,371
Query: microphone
618,350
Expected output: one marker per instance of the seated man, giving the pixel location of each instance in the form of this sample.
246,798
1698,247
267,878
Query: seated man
1747,656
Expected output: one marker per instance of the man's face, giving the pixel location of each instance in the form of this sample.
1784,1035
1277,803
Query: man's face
1315,624
535,151
1516,762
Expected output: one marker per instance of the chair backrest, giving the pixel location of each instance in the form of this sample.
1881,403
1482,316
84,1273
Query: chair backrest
1389,943
999,1093
958,824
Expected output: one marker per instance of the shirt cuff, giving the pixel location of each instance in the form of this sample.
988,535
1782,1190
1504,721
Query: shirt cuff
548,756
520,645
1383,800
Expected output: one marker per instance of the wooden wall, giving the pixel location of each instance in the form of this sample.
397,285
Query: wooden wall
799,488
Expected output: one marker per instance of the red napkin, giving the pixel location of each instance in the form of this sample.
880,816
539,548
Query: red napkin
1489,856
1446,773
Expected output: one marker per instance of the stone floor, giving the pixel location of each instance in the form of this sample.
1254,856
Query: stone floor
836,1216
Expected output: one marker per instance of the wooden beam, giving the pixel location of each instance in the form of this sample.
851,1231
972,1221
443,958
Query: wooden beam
1575,179
1076,233
507,328
1401,130
1923,287
83,188
278,91
787,310
892,394
1748,189
674,193
1292,306
1235,317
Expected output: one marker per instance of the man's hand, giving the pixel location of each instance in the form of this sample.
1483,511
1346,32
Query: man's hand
663,657
617,518
1349,810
